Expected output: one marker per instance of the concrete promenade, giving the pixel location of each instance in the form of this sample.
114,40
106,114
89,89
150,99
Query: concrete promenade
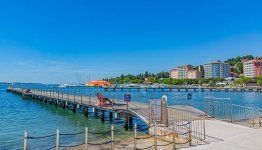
227,136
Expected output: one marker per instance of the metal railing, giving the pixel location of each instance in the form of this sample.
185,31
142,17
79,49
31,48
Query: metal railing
180,116
170,137
223,109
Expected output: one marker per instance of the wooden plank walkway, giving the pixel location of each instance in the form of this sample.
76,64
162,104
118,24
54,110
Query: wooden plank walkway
140,110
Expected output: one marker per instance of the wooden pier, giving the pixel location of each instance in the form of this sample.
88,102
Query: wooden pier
86,104
162,115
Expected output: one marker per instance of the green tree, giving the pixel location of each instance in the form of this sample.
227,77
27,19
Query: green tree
239,67
243,81
236,63
212,83
259,81
248,57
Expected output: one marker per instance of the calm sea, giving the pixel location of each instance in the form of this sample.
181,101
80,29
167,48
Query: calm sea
17,115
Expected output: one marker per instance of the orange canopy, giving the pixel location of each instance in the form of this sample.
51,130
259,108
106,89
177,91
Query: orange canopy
98,83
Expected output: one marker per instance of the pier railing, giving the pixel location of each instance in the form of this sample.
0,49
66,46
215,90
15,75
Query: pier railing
166,116
223,109
171,138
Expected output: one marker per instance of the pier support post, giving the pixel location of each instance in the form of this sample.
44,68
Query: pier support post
126,122
103,116
25,141
86,138
111,116
112,137
74,108
81,98
57,139
135,136
131,122
96,112
86,111
74,96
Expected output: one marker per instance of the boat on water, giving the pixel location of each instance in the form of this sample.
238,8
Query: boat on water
68,85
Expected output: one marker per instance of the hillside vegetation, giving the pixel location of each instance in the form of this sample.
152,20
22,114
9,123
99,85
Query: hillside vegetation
237,63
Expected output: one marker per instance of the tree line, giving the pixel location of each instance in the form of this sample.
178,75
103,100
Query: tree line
160,78
163,78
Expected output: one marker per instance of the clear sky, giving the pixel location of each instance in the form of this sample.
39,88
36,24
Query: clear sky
50,40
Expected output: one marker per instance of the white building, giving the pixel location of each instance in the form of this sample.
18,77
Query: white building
252,68
217,69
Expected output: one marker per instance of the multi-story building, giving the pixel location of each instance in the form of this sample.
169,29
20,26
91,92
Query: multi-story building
174,74
185,72
252,68
217,69
194,74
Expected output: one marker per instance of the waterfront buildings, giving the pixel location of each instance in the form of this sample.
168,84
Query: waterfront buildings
252,68
185,72
217,69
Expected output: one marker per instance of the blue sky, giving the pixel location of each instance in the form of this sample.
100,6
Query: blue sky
50,40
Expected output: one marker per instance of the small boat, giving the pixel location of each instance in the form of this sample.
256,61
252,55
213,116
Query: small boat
67,85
